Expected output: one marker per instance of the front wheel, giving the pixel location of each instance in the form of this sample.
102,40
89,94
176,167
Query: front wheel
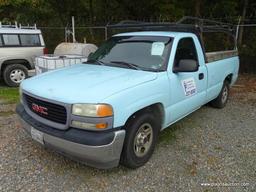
222,98
141,137
14,74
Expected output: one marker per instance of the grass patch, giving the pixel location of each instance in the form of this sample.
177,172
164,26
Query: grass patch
6,113
173,133
169,134
9,95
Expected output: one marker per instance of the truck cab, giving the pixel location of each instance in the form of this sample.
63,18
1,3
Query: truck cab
110,109
18,48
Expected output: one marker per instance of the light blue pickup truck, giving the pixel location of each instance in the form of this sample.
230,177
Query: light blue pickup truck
111,109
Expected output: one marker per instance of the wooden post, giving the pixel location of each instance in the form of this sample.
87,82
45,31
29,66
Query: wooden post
73,29
241,31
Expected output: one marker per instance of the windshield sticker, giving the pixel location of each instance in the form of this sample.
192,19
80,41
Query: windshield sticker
157,48
189,86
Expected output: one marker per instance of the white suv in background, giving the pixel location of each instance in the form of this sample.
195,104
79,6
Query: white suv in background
18,48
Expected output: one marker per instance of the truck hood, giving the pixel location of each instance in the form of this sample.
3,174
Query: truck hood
84,83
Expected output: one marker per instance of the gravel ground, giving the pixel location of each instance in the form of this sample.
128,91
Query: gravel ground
209,146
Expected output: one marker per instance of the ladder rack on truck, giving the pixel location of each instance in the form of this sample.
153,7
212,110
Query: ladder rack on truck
190,24
197,26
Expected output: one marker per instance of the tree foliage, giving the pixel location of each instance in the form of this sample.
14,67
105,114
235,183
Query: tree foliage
49,13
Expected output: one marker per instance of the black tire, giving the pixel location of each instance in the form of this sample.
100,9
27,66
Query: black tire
129,157
10,69
222,98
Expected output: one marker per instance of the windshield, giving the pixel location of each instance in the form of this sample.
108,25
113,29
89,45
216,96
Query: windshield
136,52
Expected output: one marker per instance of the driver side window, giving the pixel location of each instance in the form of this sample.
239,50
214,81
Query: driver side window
185,50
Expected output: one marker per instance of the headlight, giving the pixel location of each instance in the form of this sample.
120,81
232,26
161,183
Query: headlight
92,110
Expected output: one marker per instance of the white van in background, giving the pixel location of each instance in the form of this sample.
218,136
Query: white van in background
18,48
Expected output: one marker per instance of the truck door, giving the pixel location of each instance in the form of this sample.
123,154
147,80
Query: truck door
188,89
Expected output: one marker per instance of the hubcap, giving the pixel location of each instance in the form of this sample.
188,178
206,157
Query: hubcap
224,95
17,75
143,140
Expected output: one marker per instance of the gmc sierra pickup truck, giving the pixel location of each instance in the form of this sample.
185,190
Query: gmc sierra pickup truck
110,109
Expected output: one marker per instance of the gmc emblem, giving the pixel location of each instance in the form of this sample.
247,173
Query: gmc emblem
39,109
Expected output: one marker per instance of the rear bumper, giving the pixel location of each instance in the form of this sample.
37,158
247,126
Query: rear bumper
96,149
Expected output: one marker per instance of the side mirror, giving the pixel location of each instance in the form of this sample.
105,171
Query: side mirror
186,65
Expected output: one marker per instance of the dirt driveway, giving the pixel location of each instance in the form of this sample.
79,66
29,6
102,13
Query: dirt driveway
210,150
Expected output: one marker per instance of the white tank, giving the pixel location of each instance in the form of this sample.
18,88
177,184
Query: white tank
51,62
65,54
83,49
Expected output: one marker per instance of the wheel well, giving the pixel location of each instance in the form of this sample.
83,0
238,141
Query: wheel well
229,78
157,109
15,61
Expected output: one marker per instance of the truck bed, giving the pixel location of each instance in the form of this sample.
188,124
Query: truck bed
219,55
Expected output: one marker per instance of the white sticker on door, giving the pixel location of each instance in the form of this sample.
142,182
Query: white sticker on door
189,86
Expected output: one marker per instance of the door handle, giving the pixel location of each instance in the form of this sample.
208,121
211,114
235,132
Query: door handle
201,76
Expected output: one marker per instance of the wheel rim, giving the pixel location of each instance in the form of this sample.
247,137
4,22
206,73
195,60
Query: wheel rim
143,140
224,95
17,75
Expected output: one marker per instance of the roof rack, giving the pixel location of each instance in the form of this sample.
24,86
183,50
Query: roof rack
190,24
205,23
196,25
16,26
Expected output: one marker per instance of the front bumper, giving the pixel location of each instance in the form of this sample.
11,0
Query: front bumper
96,149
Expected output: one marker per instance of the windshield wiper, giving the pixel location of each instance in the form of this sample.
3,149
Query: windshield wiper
95,61
130,65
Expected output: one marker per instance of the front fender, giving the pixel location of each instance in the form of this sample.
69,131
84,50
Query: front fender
131,100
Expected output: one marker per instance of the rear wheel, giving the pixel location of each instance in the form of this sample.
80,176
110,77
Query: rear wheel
14,74
222,98
141,137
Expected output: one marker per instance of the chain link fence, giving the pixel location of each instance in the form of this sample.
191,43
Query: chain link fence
55,35
96,35
247,50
